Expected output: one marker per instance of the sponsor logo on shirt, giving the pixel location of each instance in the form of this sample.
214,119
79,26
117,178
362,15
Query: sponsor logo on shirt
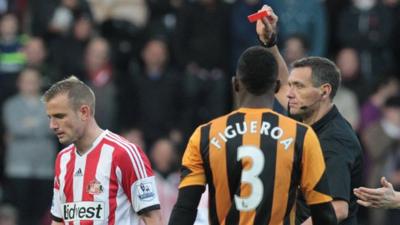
78,173
146,191
94,187
77,211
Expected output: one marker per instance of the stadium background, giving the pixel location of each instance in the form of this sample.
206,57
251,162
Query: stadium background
161,67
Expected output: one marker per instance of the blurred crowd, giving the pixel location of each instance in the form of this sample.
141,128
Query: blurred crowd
159,68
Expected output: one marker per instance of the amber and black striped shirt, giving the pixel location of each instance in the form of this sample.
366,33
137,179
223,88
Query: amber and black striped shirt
253,161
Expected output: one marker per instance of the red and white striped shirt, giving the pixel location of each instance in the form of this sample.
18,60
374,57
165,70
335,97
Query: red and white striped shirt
110,184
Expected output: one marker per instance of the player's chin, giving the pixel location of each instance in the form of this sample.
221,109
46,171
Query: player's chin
294,111
64,140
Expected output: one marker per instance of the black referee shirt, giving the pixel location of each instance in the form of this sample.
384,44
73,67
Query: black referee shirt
343,158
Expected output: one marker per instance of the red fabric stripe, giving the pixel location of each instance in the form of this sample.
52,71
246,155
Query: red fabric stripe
69,181
113,190
145,160
69,175
57,170
132,152
123,161
57,166
92,160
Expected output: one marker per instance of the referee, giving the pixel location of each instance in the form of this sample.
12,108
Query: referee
310,89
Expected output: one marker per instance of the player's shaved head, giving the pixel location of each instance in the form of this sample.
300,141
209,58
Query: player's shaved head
258,70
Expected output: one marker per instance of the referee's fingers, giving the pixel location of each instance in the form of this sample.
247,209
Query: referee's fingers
364,203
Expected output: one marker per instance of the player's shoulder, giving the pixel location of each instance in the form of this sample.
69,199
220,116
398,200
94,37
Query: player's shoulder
215,120
66,150
121,145
288,119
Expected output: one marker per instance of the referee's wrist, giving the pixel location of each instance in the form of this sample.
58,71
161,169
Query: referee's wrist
271,42
396,203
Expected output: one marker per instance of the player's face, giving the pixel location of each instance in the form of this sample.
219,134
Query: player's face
65,121
302,95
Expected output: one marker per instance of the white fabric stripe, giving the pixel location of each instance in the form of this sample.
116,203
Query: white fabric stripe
80,163
134,163
103,176
141,161
135,152
123,205
65,158
56,205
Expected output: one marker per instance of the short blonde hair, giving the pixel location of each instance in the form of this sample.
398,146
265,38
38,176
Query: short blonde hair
78,92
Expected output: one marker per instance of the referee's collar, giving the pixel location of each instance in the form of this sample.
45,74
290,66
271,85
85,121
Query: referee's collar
325,119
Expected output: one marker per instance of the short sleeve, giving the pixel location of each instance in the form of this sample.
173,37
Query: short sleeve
56,201
337,166
56,206
137,179
192,170
314,183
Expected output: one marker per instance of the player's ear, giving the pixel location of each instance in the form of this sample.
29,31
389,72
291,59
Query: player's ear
85,112
326,90
277,86
235,84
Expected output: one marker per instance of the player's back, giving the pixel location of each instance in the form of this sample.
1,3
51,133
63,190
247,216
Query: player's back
251,159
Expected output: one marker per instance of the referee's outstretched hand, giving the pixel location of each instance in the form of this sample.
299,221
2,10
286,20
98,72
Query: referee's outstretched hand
383,197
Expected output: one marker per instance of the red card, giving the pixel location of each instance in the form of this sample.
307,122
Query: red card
256,16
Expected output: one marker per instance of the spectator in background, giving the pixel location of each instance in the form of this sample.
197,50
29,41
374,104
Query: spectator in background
367,26
30,150
3,6
295,48
346,98
394,6
371,110
164,158
12,58
65,14
194,45
163,16
333,10
122,23
36,54
204,57
8,215
382,142
99,75
348,61
305,17
134,135
347,103
67,53
135,12
243,35
157,92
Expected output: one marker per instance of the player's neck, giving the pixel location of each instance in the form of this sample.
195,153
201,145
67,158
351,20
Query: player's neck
251,101
85,143
318,113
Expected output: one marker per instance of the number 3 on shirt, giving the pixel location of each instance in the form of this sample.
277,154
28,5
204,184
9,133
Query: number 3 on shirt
250,176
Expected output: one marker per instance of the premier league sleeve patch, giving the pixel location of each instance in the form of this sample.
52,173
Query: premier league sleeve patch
144,193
